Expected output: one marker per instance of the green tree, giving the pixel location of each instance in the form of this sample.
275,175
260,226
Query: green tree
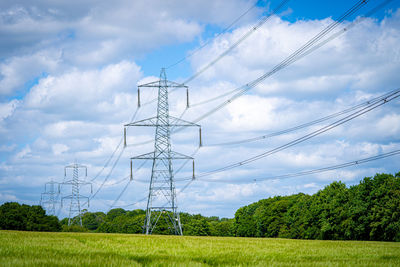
92,220
197,226
244,222
223,227
14,216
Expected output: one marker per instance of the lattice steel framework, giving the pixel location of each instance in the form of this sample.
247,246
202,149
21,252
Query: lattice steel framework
161,199
48,199
75,212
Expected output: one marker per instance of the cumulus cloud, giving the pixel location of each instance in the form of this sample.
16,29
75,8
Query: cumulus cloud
58,149
68,77
7,109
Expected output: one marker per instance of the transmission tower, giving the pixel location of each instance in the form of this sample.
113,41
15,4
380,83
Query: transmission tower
75,213
48,198
161,199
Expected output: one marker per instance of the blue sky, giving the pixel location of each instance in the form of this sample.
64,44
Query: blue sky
68,77
297,10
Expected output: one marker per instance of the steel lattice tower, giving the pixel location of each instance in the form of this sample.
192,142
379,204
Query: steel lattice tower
48,199
75,213
162,194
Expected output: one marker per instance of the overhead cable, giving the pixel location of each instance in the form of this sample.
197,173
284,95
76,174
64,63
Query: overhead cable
314,171
304,125
305,137
239,41
304,50
262,21
215,37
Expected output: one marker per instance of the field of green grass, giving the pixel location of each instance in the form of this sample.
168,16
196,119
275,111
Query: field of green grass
88,249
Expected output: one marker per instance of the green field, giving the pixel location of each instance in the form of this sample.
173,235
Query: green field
84,249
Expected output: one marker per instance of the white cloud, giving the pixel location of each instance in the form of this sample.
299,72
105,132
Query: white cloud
86,94
26,152
16,71
58,149
7,109
73,71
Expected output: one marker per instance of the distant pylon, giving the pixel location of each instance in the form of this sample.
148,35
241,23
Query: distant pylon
48,199
75,213
161,199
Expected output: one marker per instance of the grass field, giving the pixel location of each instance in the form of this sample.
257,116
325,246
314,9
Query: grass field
87,249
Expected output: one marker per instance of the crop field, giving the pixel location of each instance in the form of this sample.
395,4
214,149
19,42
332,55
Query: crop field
89,249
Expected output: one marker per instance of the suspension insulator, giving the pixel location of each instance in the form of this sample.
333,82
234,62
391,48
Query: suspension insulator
124,137
131,171
193,171
200,141
187,97
138,97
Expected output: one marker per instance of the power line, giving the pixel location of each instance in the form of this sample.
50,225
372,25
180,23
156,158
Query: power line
307,52
108,161
115,183
304,125
108,175
305,137
120,195
239,41
133,204
282,131
298,54
291,175
215,37
314,171
126,186
290,59
115,150
261,22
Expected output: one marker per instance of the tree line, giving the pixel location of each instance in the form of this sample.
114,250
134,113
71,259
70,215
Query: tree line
14,216
369,210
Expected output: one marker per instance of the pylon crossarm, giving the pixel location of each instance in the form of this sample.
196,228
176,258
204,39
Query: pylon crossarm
75,165
173,155
152,122
73,196
149,155
146,122
168,84
80,182
180,122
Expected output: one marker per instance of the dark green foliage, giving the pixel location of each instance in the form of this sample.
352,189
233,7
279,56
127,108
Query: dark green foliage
269,216
92,221
198,226
245,224
223,227
64,221
117,221
14,216
367,211
112,214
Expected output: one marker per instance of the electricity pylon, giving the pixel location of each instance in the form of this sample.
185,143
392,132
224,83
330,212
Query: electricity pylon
162,195
75,213
48,198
